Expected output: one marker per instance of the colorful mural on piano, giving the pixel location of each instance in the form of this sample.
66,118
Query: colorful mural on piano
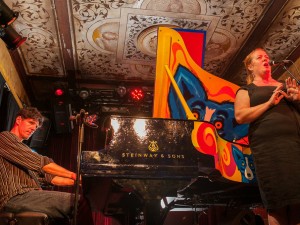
209,99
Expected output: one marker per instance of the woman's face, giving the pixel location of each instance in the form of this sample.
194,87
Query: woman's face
260,63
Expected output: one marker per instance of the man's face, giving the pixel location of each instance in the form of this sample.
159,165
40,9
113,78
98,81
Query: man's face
26,127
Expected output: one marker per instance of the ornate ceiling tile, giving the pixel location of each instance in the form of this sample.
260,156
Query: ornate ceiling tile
96,26
284,35
138,32
238,18
176,6
41,53
116,39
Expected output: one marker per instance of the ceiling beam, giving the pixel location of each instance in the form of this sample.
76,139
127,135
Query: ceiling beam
65,29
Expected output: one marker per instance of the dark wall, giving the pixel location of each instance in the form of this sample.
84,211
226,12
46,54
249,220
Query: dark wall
8,106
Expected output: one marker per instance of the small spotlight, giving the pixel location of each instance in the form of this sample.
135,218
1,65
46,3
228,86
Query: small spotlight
121,90
84,93
59,92
11,38
137,94
7,16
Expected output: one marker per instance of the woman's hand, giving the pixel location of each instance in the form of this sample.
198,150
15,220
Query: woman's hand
277,95
245,113
293,93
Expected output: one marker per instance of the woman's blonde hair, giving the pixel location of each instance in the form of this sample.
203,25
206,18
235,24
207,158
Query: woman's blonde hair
247,61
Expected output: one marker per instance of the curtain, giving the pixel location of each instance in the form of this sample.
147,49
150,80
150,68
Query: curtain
63,149
100,219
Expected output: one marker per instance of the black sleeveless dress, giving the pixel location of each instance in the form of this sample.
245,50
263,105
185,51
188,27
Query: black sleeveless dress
275,144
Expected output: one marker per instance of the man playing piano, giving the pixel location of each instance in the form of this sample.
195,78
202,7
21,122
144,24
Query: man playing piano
22,171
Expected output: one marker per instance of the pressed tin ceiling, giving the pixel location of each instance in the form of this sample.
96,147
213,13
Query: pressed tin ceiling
99,44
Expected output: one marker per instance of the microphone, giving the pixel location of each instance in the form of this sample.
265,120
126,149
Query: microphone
79,117
85,118
82,113
279,63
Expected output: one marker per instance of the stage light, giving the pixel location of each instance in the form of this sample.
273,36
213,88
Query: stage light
8,34
121,90
7,16
137,94
11,38
84,93
59,92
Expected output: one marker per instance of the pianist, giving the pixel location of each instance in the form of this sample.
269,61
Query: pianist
22,172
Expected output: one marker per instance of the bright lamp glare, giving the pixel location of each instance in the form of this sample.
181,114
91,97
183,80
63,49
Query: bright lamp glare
140,127
115,125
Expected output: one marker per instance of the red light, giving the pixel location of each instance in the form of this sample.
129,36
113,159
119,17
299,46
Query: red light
59,92
137,94
19,41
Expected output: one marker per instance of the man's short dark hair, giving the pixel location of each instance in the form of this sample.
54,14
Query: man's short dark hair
31,113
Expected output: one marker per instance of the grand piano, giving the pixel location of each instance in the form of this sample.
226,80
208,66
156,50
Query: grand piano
191,149
146,159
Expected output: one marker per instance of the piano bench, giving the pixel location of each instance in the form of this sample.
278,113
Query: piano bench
23,218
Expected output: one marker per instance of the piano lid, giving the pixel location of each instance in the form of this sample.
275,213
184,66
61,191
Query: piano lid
147,148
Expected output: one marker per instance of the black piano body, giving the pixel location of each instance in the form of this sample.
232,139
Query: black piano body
153,158
147,148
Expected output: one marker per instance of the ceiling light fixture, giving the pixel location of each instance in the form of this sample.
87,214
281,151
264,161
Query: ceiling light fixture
121,90
84,93
7,16
11,38
8,34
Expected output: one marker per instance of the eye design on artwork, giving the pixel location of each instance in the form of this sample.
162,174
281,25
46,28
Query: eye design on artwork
196,115
218,125
220,114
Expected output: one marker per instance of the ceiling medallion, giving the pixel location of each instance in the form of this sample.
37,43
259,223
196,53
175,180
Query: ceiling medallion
177,6
147,39
103,36
220,45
